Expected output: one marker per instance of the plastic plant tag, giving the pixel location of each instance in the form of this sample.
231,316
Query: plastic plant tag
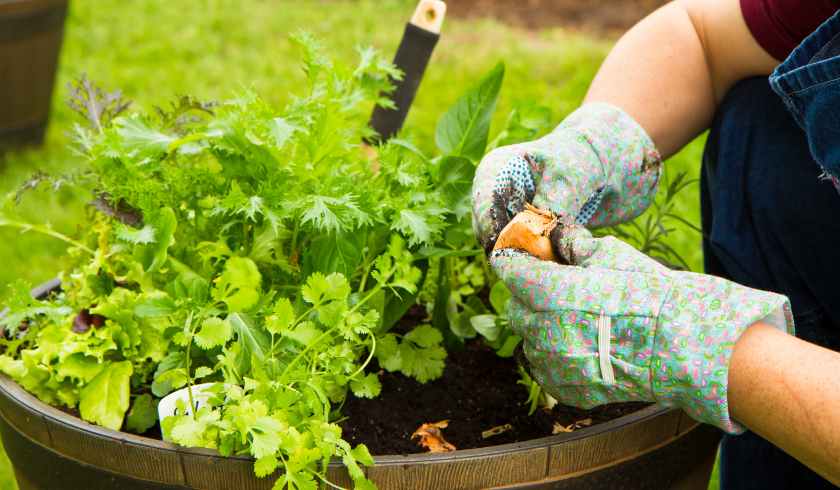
200,394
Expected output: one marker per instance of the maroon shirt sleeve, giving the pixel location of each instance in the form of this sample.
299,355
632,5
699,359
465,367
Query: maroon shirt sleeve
780,25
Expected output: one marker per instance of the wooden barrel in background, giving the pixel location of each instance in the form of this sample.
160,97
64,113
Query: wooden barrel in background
30,41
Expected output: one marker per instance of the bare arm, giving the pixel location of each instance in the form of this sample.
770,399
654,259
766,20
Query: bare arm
788,391
671,69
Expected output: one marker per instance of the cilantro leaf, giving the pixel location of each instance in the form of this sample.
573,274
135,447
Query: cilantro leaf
388,352
265,466
425,336
419,355
367,386
213,332
282,318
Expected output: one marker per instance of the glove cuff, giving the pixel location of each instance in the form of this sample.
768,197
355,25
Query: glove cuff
699,323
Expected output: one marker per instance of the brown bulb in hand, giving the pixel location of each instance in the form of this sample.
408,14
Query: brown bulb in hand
530,231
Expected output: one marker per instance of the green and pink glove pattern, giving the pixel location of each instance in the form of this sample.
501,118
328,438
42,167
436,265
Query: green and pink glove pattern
614,325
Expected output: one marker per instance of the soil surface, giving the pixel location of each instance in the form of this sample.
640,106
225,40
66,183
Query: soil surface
611,17
478,391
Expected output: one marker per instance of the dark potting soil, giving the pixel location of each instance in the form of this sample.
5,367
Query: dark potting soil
478,391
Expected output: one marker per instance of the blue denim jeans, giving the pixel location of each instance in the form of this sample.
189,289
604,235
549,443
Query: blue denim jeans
771,222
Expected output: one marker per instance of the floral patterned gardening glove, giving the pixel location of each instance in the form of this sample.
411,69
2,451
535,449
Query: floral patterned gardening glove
613,325
618,326
598,168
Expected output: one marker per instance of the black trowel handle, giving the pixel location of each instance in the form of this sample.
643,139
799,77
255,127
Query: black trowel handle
419,40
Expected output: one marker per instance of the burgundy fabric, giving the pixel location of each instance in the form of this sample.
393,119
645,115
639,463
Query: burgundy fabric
780,25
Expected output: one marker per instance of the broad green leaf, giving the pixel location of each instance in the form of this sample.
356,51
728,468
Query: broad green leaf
463,129
508,346
526,121
334,252
455,177
487,326
422,364
165,224
105,399
155,306
254,340
80,366
143,414
499,298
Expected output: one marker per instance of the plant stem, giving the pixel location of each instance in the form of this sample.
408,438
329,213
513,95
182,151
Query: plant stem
323,479
369,358
189,376
45,230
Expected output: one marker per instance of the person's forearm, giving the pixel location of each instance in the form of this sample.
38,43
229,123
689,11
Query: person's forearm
788,391
670,70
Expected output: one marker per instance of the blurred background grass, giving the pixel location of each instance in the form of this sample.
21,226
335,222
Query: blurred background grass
157,49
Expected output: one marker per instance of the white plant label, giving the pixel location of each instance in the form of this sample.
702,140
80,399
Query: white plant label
169,404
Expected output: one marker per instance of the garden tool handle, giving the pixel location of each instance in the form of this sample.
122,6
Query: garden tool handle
419,39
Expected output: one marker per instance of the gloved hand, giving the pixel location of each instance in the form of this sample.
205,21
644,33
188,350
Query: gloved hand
614,325
598,168
617,326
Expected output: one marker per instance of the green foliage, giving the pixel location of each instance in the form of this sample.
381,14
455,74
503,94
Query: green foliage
143,414
234,245
463,130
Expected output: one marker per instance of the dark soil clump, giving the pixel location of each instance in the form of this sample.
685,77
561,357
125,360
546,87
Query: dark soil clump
478,391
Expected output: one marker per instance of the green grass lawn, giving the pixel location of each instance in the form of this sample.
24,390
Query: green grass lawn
156,49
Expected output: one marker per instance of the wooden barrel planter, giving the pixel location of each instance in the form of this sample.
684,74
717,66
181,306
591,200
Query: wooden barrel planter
31,32
653,448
